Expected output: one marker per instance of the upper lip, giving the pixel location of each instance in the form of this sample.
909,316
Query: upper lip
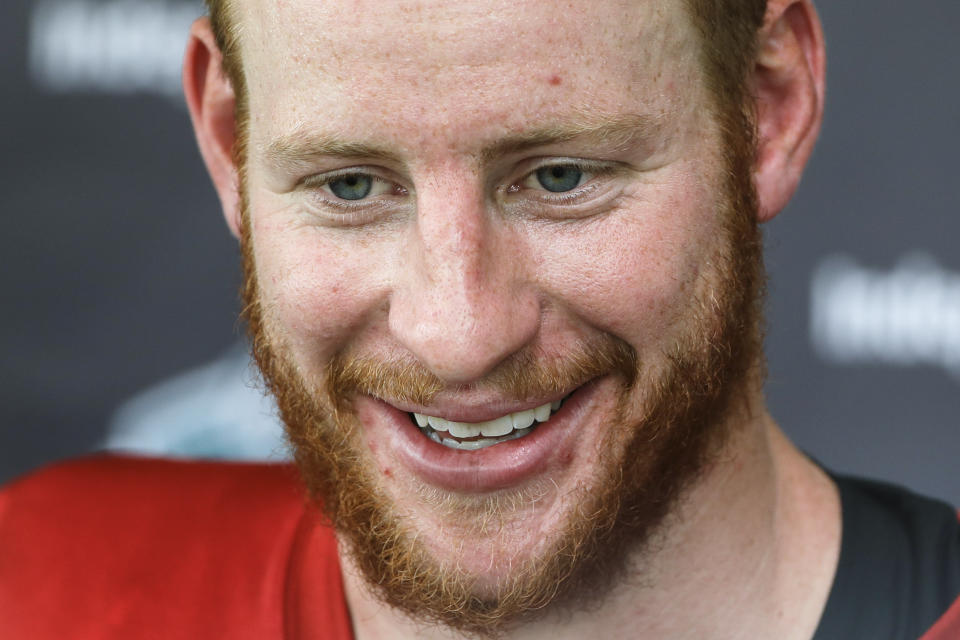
472,407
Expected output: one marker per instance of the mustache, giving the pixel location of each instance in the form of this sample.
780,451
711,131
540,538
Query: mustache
526,375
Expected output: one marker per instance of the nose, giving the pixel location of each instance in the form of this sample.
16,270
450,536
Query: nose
464,301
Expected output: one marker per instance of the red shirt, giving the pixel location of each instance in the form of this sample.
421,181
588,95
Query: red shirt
136,549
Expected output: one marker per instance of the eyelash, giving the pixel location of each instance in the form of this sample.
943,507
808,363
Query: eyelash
318,182
592,169
364,210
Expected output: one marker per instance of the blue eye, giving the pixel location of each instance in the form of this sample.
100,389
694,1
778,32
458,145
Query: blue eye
353,186
559,177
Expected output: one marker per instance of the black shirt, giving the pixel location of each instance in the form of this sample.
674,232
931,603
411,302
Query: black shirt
899,567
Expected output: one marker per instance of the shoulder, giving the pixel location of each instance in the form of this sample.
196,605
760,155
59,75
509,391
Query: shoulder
110,546
947,627
85,502
899,570
125,477
922,533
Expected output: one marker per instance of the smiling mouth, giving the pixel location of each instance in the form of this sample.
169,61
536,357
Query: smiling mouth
470,436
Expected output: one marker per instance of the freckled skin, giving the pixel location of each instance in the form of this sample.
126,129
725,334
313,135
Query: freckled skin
454,280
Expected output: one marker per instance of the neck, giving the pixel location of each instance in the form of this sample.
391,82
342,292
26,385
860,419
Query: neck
749,552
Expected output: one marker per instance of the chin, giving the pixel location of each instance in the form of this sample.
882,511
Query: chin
487,541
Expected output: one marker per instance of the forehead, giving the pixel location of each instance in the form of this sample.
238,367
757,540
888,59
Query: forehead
419,71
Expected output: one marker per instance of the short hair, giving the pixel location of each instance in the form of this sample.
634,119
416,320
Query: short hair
727,32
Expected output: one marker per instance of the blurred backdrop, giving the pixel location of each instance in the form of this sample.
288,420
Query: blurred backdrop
119,277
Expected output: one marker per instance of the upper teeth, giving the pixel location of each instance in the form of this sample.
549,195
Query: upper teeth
490,428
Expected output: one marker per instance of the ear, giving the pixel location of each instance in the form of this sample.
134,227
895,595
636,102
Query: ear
211,101
789,83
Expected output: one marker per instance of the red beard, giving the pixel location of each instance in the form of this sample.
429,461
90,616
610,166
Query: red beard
656,450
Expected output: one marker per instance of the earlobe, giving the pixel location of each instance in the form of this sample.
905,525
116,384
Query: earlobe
789,84
211,101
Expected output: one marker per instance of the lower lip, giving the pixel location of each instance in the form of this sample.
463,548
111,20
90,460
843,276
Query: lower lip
550,445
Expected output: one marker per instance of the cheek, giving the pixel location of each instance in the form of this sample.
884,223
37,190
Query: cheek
633,274
315,292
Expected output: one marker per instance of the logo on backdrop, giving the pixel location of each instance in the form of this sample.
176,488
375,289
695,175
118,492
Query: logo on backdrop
909,315
119,46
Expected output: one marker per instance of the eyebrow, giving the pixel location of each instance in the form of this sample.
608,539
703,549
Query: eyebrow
300,148
619,132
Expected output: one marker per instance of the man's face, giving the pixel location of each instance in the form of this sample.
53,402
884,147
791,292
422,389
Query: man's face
472,212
